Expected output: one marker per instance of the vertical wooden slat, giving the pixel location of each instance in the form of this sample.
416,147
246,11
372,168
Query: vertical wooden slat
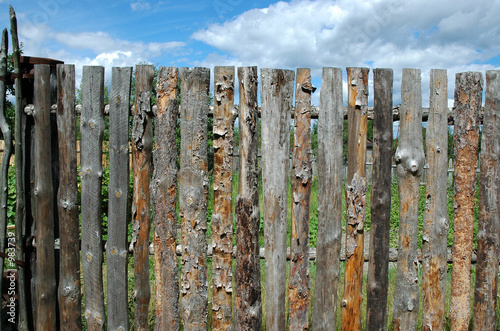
193,195
410,163
116,247
378,266
164,196
70,297
277,95
142,144
247,297
92,129
468,99
488,241
301,179
222,216
44,212
357,79
435,235
330,180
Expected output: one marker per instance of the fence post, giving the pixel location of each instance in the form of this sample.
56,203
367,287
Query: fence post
378,276
330,180
410,162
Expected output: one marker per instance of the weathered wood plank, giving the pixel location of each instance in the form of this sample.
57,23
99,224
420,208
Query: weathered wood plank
222,216
357,79
410,163
301,179
435,235
46,293
142,145
330,180
164,196
193,196
488,241
118,214
276,95
247,296
70,298
378,268
92,129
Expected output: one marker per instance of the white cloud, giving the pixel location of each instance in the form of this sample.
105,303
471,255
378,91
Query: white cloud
140,5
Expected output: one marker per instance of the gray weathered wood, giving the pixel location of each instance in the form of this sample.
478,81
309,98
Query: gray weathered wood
247,296
410,162
378,268
70,298
435,235
92,129
193,196
164,197
116,247
330,180
277,95
46,292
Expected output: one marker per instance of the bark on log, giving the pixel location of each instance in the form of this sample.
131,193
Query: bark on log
116,247
247,301
301,179
277,95
435,233
378,273
222,216
357,79
488,241
193,196
410,163
330,180
70,298
164,196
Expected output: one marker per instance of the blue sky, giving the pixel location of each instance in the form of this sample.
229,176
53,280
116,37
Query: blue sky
458,35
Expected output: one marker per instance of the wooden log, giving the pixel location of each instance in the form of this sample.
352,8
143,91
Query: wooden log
164,196
276,95
44,212
92,129
70,297
488,241
118,215
142,144
301,181
222,216
435,233
357,79
378,268
193,196
247,296
410,162
330,180
468,99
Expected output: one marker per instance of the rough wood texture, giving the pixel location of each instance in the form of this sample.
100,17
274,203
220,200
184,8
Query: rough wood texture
357,79
70,297
142,144
92,129
330,180
193,196
116,247
488,241
222,216
410,162
435,235
44,213
301,179
277,95
164,196
247,297
378,268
